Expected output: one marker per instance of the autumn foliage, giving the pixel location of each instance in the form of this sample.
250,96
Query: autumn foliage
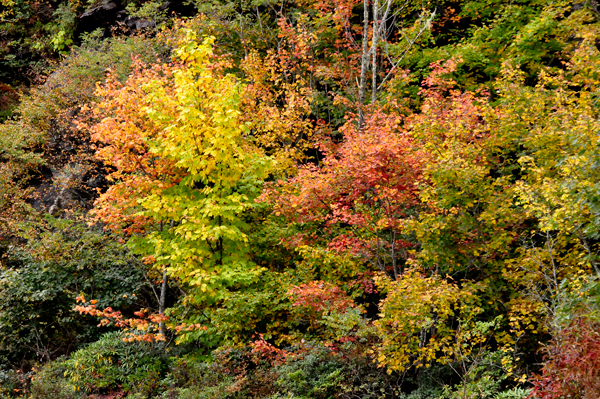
360,195
184,166
322,198
573,363
144,326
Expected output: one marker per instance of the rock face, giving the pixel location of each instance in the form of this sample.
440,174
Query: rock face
70,187
111,13
136,23
103,16
179,7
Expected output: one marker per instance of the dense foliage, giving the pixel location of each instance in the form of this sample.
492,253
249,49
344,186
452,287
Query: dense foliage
311,199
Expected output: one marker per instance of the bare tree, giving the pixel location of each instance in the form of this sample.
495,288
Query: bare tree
382,16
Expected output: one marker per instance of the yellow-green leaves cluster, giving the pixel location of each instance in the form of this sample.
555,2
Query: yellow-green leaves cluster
426,320
186,169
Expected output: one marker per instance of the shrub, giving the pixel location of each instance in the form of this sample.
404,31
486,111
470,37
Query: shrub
39,284
572,367
232,373
111,364
12,382
50,382
316,374
573,363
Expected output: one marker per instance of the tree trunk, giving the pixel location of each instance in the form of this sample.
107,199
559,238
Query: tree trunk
364,65
162,301
376,28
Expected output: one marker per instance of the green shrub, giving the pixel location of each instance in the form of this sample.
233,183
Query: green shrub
50,383
309,370
233,373
422,392
39,283
316,374
515,393
111,364
11,382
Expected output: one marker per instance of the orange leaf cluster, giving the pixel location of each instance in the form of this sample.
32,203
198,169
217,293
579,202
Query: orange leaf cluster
109,316
319,296
267,351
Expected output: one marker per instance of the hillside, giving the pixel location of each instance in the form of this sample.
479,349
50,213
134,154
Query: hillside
303,199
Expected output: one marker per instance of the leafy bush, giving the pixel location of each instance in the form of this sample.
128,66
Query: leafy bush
515,393
232,373
572,367
316,374
40,281
50,382
111,364
12,382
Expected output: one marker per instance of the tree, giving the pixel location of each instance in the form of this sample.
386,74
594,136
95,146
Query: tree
185,171
361,194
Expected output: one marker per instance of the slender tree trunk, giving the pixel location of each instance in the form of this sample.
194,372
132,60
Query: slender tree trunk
394,262
364,65
162,301
376,28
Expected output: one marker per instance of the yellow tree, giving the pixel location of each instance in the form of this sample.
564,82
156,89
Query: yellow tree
184,170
